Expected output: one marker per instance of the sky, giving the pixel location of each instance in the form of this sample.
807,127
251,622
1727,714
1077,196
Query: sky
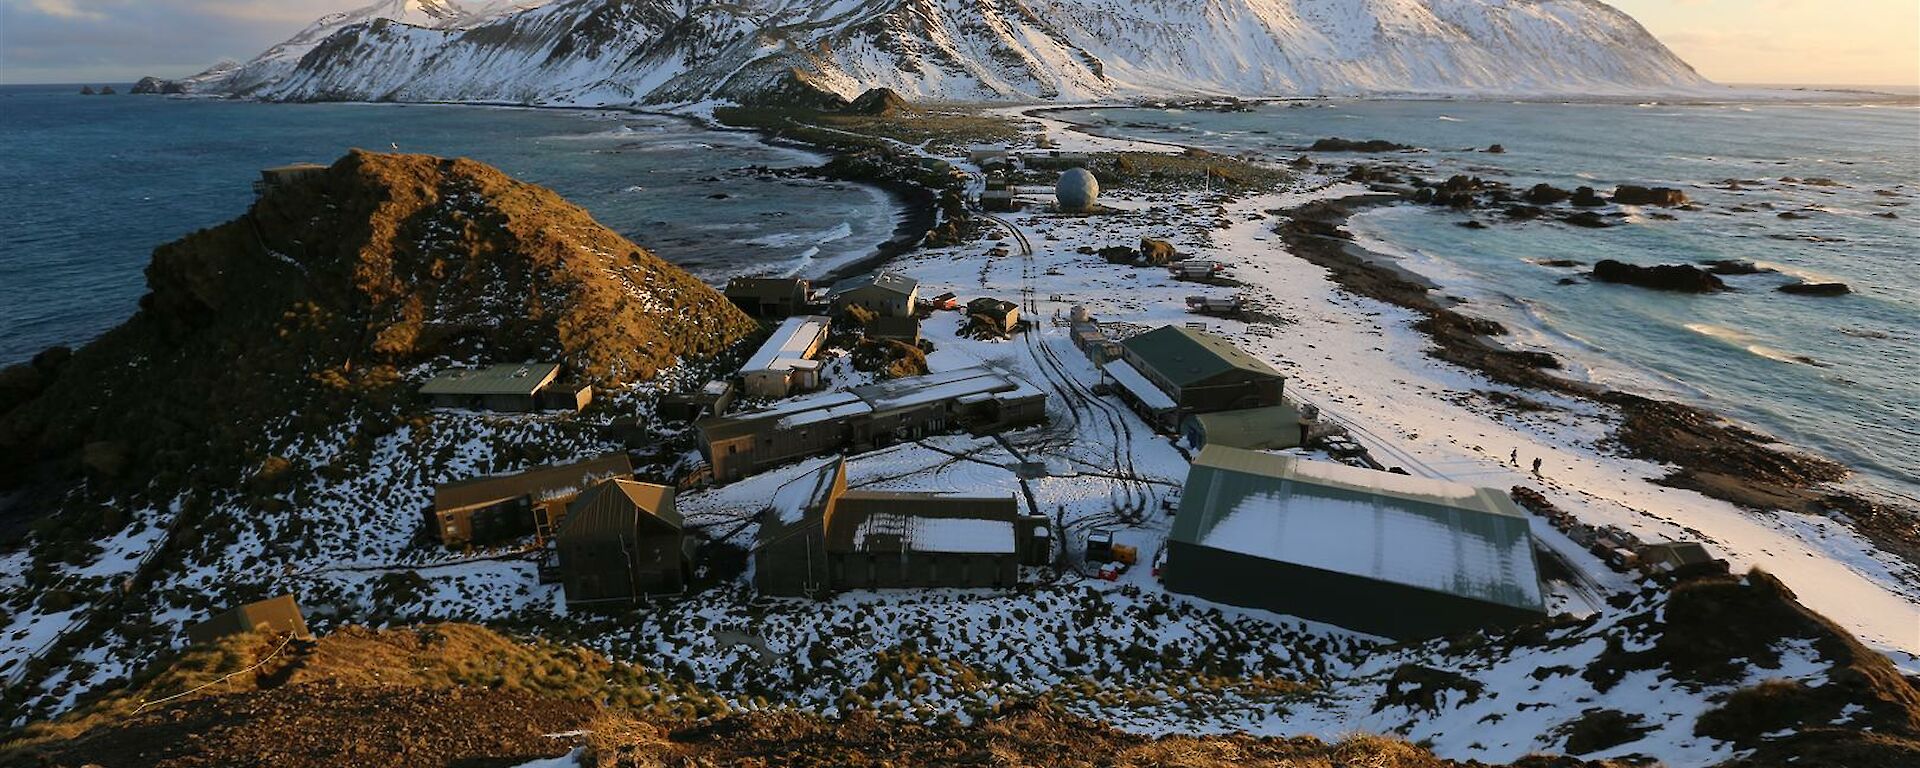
1821,42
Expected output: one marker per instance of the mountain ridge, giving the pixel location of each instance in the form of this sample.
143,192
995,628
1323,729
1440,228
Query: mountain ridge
601,52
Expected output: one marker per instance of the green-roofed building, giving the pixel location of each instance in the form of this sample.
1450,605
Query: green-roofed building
512,387
1198,371
1376,552
622,540
1272,428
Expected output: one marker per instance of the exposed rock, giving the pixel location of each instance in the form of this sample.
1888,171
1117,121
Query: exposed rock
1588,219
86,90
1157,252
1547,194
329,289
1804,288
1562,263
1794,216
1120,254
1524,212
1472,224
1337,144
1734,267
1628,194
1496,150
1665,277
879,102
1585,197
154,85
107,90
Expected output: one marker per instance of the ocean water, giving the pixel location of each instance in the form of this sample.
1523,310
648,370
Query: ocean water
89,185
1837,375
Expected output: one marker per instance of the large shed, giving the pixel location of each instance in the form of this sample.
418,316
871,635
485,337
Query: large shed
786,361
818,537
511,387
1378,552
277,614
769,297
888,294
622,541
1274,427
1201,372
496,508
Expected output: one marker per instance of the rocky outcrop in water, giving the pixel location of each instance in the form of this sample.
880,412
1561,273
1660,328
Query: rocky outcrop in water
1684,278
1665,197
154,85
1337,144
1803,288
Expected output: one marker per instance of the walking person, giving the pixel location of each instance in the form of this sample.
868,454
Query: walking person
1514,458
1536,467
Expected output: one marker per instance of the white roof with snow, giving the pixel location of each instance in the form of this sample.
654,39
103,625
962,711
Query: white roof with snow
1136,384
789,346
962,535
1431,534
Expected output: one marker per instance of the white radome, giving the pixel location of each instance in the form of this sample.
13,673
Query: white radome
1078,190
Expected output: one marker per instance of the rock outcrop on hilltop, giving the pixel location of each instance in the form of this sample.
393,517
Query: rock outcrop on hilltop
334,290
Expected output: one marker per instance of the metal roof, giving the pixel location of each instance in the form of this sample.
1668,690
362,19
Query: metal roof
765,287
1143,390
789,344
539,482
1276,426
1188,356
614,508
1428,534
508,379
902,516
891,281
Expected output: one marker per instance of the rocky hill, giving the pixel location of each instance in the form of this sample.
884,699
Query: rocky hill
345,288
665,51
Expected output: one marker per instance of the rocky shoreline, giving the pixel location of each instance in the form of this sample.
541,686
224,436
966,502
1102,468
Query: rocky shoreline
1711,454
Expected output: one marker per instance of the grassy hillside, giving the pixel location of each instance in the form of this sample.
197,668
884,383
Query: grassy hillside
340,290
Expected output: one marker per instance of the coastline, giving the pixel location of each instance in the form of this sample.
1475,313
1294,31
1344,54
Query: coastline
1714,455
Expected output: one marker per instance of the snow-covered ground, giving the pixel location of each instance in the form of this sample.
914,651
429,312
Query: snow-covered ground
1125,651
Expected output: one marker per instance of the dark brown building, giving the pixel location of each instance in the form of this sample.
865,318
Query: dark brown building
980,400
278,614
769,297
818,537
622,541
497,508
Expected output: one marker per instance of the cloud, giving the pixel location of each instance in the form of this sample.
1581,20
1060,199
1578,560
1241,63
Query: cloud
64,9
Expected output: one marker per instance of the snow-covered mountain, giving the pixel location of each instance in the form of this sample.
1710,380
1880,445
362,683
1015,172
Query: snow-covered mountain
655,51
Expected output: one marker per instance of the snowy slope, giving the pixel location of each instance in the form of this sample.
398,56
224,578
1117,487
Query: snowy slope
655,51
279,61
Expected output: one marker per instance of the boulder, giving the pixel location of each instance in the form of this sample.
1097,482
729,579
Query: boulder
1524,212
1119,254
86,90
1734,267
1496,150
1588,219
1471,224
1547,194
1337,144
1684,278
1585,197
1157,252
1666,197
1803,288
